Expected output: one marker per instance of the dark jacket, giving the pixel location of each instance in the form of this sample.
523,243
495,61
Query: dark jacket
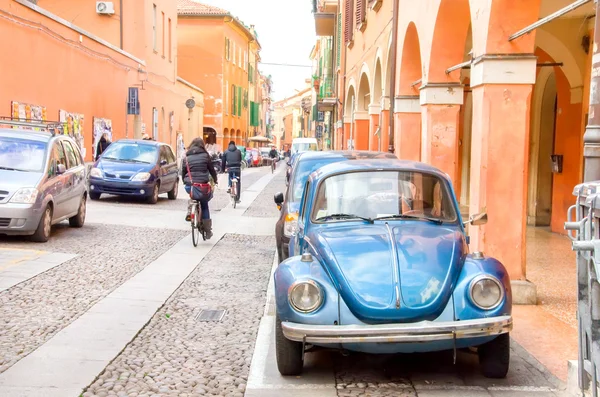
232,158
102,145
200,167
273,154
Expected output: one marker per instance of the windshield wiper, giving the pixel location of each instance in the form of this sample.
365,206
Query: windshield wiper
344,216
404,216
134,161
11,169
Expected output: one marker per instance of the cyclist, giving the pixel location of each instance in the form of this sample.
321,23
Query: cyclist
232,160
273,155
198,162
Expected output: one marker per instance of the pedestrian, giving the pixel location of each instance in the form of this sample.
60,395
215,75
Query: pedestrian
145,137
103,144
232,160
196,170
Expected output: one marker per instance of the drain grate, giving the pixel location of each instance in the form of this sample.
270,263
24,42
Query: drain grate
210,315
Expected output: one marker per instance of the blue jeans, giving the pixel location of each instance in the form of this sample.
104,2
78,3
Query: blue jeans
203,204
235,172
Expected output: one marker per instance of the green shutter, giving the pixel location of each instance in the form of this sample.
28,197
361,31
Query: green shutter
234,101
239,101
339,40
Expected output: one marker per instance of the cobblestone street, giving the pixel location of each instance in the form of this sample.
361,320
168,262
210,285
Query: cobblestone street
116,309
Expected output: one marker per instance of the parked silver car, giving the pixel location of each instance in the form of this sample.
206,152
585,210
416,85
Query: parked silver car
42,182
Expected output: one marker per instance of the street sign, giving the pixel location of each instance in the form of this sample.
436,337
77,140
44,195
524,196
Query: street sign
133,102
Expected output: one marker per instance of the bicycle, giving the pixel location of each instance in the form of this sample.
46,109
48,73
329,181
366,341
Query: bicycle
233,191
196,221
273,166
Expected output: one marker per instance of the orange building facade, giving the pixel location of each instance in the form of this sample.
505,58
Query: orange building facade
220,54
502,116
71,63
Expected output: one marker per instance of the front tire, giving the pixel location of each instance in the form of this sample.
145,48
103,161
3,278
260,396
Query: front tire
95,196
79,219
153,199
42,233
289,354
494,357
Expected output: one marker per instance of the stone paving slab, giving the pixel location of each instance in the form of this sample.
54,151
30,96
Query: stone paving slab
18,265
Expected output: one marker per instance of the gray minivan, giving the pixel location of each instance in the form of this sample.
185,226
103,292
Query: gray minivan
42,182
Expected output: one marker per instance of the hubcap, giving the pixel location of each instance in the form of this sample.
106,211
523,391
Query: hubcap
47,222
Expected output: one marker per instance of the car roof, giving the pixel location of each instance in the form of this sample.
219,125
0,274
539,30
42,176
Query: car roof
376,164
348,154
141,142
40,136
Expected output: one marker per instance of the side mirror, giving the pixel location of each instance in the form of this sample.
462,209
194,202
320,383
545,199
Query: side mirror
163,162
278,198
477,219
60,169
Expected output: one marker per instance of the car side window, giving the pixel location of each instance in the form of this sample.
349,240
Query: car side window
304,201
163,154
72,159
170,155
58,154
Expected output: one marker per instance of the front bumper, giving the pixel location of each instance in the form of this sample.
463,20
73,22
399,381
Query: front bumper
118,188
424,331
19,219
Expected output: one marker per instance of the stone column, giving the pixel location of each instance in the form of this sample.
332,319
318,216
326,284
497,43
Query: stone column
361,130
440,110
339,134
502,88
385,125
374,111
407,113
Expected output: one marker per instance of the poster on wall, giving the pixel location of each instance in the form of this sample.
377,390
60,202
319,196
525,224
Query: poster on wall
101,127
180,148
28,112
73,124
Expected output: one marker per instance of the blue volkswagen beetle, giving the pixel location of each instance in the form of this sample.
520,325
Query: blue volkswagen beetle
380,264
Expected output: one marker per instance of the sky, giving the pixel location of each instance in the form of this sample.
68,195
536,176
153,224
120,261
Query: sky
286,32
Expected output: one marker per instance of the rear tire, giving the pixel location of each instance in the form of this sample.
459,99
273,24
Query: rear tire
79,219
494,357
95,196
195,228
290,360
173,193
42,233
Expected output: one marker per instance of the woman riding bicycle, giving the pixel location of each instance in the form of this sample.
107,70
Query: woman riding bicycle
198,165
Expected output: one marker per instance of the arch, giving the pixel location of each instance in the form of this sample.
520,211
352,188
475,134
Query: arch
556,49
410,62
364,70
377,83
364,90
494,13
350,94
209,134
450,32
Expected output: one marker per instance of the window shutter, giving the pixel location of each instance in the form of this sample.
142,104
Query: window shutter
348,22
360,12
339,40
233,100
239,99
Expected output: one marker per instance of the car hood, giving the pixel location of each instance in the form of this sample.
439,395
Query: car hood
111,168
11,181
401,272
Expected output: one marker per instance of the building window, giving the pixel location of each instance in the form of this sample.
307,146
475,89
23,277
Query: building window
245,60
360,12
227,44
226,102
154,33
233,100
240,57
233,52
163,32
170,42
348,22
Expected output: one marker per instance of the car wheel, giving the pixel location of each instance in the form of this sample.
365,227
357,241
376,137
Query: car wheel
95,196
494,357
173,193
289,353
79,219
42,233
153,199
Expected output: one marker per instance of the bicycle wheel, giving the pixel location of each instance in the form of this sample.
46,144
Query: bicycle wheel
199,223
234,193
195,229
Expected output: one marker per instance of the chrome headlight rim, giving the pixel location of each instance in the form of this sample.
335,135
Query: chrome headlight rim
479,278
319,303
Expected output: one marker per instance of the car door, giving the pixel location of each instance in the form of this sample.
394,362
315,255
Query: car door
173,169
75,176
163,162
57,183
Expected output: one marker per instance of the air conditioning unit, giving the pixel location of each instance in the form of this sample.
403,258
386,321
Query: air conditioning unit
105,7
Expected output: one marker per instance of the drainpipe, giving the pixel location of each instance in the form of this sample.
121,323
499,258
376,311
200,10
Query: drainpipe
591,137
393,76
121,21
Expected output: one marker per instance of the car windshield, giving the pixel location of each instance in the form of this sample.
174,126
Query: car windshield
303,170
131,153
22,154
304,147
384,195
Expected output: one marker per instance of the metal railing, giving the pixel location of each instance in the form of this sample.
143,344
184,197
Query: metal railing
583,226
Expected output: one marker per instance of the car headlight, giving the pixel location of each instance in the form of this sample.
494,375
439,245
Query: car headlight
95,173
26,195
486,292
305,296
291,223
141,177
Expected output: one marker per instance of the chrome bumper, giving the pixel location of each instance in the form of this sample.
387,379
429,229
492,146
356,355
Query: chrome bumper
424,331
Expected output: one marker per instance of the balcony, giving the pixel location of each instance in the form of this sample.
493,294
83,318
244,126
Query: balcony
327,98
324,12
